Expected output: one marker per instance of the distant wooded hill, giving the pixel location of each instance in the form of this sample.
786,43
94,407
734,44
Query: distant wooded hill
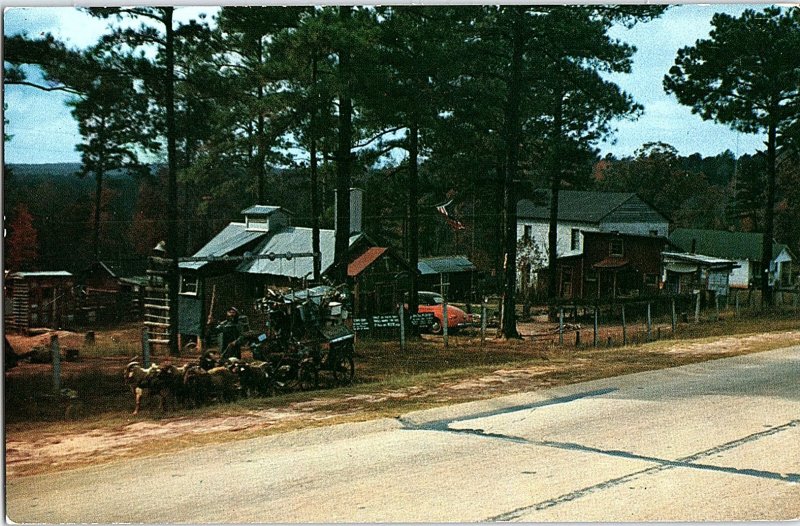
719,192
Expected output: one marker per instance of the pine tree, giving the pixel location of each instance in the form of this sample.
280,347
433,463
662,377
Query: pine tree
746,75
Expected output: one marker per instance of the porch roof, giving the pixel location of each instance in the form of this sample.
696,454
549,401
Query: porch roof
700,260
611,262
444,265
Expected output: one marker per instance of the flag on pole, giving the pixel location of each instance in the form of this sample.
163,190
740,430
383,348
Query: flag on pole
454,223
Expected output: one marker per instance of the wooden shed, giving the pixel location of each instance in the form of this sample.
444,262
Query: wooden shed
38,299
457,273
379,279
110,295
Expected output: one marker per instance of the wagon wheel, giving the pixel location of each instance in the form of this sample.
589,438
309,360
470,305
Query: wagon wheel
344,368
308,377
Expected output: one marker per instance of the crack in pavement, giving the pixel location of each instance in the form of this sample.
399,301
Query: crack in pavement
444,424
661,464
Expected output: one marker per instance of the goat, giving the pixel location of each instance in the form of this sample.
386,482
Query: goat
210,359
141,381
198,385
254,377
224,383
170,382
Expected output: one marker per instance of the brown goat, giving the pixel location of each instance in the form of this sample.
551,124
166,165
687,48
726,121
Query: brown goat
142,381
225,384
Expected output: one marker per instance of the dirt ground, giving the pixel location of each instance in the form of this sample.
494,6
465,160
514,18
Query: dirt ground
57,446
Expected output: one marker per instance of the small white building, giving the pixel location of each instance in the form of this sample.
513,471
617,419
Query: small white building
685,273
742,247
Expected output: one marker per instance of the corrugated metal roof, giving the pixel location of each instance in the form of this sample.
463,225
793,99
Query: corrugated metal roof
721,243
701,259
41,274
295,240
260,210
231,237
588,207
444,265
362,262
136,280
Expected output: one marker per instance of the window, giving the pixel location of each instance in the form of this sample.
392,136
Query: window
566,282
575,240
528,232
616,248
651,280
189,285
654,233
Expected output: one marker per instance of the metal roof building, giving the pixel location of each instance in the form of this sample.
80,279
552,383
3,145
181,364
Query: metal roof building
444,265
293,240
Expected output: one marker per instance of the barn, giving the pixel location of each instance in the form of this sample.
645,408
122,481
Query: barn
39,299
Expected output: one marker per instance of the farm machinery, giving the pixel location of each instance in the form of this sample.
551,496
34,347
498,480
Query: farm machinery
306,340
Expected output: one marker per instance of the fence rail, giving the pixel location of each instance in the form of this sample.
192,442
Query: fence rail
621,322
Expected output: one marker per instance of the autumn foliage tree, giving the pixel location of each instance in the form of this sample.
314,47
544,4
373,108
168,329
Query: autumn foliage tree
21,245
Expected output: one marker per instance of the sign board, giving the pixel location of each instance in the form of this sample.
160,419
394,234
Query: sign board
360,324
424,319
388,321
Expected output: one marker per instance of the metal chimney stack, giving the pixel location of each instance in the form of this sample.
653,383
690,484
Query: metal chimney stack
356,209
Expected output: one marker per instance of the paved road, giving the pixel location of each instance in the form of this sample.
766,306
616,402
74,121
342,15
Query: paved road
713,441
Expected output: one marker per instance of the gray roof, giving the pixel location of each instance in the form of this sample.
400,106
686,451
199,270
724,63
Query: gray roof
721,243
41,274
260,210
232,237
590,207
701,259
295,240
444,265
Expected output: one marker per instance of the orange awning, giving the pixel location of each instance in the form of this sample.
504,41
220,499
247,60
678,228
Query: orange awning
611,262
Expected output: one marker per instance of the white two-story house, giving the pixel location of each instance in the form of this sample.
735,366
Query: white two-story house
580,211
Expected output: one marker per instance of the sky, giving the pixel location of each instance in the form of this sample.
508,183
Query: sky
44,131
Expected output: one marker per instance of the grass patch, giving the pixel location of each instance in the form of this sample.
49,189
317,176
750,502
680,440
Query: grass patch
383,367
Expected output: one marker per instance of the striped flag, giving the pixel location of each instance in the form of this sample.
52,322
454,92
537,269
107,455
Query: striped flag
454,223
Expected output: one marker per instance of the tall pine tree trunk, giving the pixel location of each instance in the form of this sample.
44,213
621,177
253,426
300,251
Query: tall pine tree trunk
555,186
98,201
344,158
769,216
261,148
413,211
315,204
509,321
498,227
172,181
